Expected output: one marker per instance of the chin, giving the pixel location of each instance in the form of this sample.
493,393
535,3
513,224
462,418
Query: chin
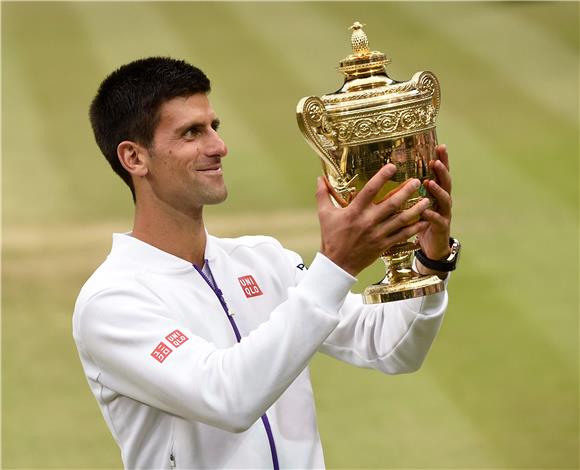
217,198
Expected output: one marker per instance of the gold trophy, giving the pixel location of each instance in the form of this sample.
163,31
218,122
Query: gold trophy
370,121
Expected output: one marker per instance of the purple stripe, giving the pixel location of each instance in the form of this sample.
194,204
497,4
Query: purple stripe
235,327
220,297
271,441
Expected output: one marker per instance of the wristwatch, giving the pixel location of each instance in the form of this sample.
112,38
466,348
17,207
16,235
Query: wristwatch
444,265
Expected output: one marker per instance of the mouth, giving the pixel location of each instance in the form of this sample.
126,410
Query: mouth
212,170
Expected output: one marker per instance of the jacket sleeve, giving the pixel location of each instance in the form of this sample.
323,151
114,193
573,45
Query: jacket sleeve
118,329
394,337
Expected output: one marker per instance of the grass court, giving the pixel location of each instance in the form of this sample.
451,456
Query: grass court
500,387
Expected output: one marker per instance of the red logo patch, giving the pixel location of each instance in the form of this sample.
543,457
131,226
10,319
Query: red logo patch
176,338
161,352
250,286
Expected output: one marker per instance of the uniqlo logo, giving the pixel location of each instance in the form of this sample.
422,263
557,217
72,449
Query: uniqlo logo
249,286
161,352
176,338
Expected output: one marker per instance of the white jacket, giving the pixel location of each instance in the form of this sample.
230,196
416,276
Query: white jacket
178,390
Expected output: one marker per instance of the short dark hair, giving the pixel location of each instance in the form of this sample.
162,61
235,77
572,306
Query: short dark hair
126,106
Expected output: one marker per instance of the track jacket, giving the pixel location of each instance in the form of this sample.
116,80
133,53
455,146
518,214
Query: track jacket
193,376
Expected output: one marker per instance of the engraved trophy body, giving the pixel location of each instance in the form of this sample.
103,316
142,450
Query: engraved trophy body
370,121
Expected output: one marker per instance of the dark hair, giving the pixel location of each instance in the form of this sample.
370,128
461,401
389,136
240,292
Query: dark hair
126,106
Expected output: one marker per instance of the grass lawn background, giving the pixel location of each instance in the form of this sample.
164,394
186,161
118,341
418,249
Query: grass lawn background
500,387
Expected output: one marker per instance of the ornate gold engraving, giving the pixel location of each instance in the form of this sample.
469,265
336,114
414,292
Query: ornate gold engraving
381,91
371,127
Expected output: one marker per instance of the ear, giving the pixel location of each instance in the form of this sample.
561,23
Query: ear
133,157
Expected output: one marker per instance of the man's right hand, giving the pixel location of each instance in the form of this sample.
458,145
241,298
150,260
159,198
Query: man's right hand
353,237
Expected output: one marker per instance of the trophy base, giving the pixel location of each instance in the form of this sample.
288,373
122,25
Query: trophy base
417,286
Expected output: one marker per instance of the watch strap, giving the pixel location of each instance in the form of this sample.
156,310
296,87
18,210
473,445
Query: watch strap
445,265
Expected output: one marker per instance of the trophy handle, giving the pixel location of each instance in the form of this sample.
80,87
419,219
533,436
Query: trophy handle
312,121
427,81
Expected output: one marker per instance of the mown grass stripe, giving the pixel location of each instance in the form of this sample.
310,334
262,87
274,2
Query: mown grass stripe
517,380
402,413
241,100
522,130
531,63
523,237
28,162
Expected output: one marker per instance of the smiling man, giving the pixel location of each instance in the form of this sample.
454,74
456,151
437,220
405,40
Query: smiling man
197,348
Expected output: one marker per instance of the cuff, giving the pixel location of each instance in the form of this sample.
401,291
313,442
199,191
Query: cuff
326,284
433,304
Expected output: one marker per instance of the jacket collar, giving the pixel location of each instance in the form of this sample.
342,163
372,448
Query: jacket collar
137,251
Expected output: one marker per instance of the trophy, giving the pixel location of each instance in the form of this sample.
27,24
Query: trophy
370,121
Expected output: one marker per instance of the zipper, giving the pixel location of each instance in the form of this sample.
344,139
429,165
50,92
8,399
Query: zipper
214,287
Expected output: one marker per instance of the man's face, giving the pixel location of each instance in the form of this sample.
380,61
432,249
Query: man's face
185,171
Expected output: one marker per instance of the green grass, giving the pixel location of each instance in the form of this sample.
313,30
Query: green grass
500,387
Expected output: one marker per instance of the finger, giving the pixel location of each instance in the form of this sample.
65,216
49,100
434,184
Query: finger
373,186
443,155
404,234
438,222
442,175
393,203
408,216
393,191
442,198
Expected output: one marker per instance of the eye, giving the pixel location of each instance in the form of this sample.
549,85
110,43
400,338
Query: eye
192,132
215,125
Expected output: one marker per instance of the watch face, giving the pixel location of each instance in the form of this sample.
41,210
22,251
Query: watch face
455,250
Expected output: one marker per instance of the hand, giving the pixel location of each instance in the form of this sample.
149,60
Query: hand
353,237
434,240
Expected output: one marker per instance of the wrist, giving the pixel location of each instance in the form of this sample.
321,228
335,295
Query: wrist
425,271
341,262
439,266
437,252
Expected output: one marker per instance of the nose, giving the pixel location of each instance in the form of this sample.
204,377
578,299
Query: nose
218,146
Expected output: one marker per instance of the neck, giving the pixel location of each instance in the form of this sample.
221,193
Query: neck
182,235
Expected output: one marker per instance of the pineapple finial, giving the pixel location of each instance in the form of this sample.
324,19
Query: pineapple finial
359,40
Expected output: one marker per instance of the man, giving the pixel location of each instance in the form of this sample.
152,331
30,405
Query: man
197,348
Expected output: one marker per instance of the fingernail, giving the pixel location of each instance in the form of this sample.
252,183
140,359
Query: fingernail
416,183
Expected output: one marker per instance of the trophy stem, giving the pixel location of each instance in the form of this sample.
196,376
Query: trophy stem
401,282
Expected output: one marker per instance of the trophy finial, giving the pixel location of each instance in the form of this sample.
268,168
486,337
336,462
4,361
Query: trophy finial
362,62
359,40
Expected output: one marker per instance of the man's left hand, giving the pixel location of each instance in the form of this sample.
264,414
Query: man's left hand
434,240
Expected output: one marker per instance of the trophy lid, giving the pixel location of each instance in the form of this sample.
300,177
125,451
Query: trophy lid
367,84
362,62
369,107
